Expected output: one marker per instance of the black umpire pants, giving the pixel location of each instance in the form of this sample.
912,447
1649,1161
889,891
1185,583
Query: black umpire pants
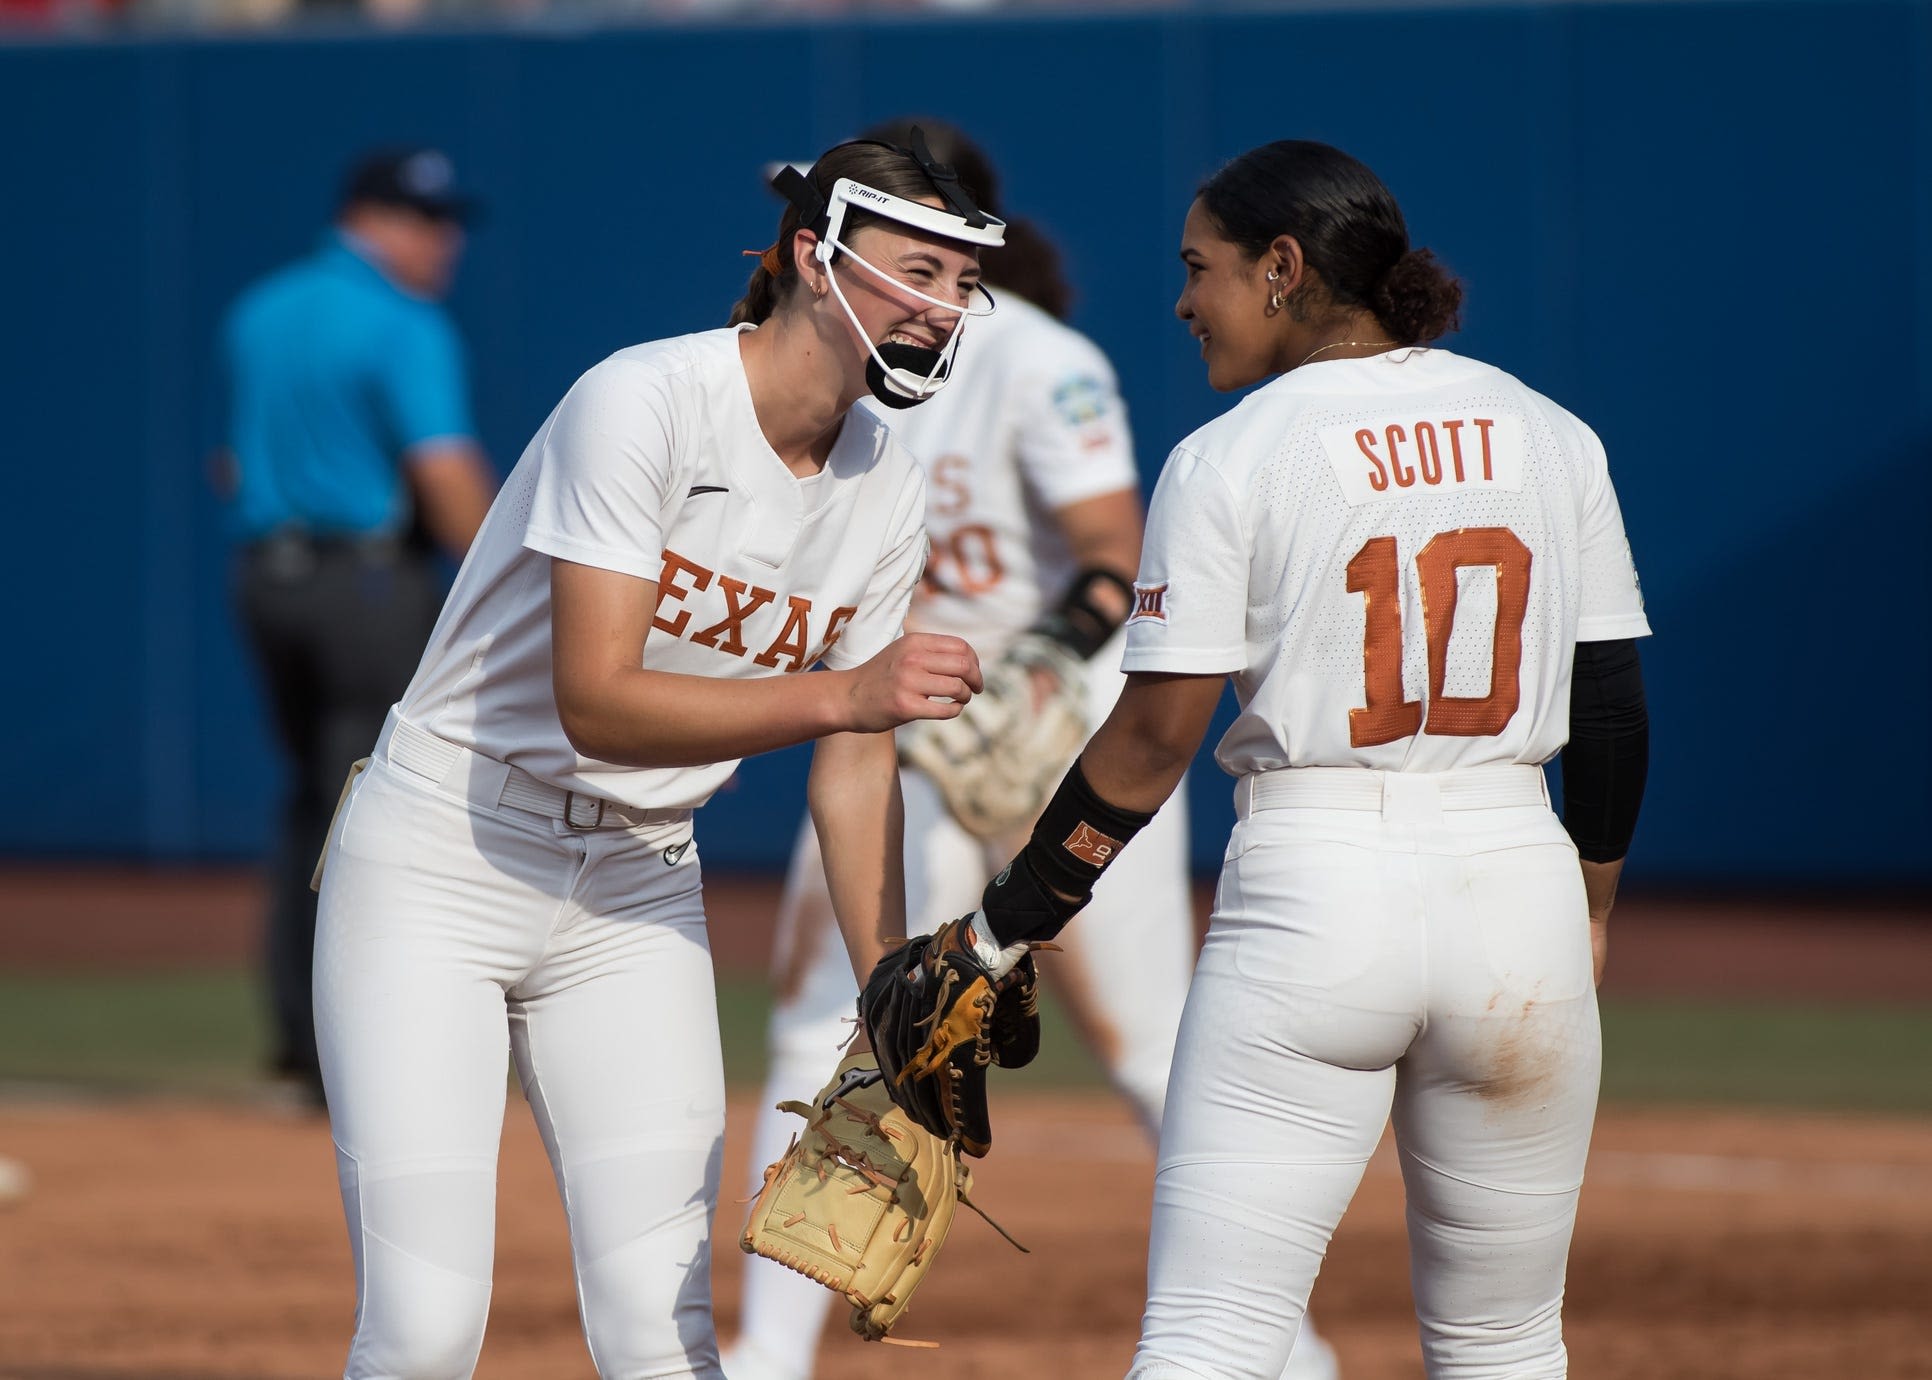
336,627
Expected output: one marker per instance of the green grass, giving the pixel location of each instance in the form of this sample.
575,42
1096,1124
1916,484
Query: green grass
1863,1058
203,1032
199,1031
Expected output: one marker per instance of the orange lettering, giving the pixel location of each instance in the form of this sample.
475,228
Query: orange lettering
1431,456
1365,442
964,561
1483,424
1483,716
1455,445
791,638
834,626
1385,715
1375,574
730,625
667,588
950,494
1404,476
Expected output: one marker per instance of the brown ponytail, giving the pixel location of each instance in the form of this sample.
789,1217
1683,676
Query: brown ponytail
762,295
1418,299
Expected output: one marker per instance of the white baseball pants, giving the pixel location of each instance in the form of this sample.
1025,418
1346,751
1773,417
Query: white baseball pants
1380,941
453,930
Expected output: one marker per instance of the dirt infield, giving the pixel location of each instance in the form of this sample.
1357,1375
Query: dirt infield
205,1242
168,1242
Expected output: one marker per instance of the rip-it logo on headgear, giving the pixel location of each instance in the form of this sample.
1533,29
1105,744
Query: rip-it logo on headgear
899,374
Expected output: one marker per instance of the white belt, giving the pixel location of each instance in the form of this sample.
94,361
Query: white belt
1358,788
490,783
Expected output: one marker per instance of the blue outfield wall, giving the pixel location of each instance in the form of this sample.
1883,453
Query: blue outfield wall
1706,228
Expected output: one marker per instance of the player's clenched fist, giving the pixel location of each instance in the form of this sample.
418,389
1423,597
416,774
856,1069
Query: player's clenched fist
920,676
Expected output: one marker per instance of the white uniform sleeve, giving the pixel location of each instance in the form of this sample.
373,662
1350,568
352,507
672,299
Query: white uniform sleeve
882,610
605,473
1191,600
1612,604
1071,424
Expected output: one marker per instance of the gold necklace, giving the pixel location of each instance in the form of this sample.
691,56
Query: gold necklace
1339,344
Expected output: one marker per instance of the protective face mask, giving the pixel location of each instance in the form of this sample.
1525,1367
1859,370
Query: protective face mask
901,375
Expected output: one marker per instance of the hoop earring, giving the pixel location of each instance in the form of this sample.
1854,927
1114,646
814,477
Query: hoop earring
1279,295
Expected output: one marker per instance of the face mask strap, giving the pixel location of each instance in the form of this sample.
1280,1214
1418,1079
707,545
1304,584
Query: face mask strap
796,188
945,178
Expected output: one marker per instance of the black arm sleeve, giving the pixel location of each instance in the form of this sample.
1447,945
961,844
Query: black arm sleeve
1608,755
1077,837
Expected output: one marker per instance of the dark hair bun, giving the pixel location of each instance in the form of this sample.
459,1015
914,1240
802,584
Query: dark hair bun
1417,299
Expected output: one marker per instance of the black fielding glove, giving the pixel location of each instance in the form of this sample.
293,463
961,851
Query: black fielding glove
1016,1015
941,1008
927,1008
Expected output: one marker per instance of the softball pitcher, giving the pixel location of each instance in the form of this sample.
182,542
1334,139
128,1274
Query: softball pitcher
698,519
1415,570
1031,485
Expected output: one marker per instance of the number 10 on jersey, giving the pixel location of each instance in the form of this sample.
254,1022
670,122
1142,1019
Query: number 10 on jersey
1375,573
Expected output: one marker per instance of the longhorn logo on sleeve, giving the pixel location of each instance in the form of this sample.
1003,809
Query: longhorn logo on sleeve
1091,846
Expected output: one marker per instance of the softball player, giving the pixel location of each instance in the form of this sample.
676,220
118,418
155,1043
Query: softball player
699,518
1415,569
1030,482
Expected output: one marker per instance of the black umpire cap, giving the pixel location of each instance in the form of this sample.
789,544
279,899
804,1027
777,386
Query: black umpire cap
422,179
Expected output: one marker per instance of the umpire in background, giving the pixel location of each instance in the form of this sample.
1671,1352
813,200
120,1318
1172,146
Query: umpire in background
351,461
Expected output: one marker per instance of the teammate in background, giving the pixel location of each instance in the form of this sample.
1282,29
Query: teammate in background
1031,484
1415,569
698,519
349,424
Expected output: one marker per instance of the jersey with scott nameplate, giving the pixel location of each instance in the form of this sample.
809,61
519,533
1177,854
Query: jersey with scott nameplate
653,465
1394,557
1030,421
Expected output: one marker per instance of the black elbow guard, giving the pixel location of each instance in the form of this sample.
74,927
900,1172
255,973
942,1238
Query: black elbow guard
1077,836
1080,624
1608,756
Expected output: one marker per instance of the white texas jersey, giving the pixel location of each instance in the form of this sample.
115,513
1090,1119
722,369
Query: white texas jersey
653,465
1394,557
1030,421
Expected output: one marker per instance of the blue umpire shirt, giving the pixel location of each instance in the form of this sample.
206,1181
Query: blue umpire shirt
334,373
